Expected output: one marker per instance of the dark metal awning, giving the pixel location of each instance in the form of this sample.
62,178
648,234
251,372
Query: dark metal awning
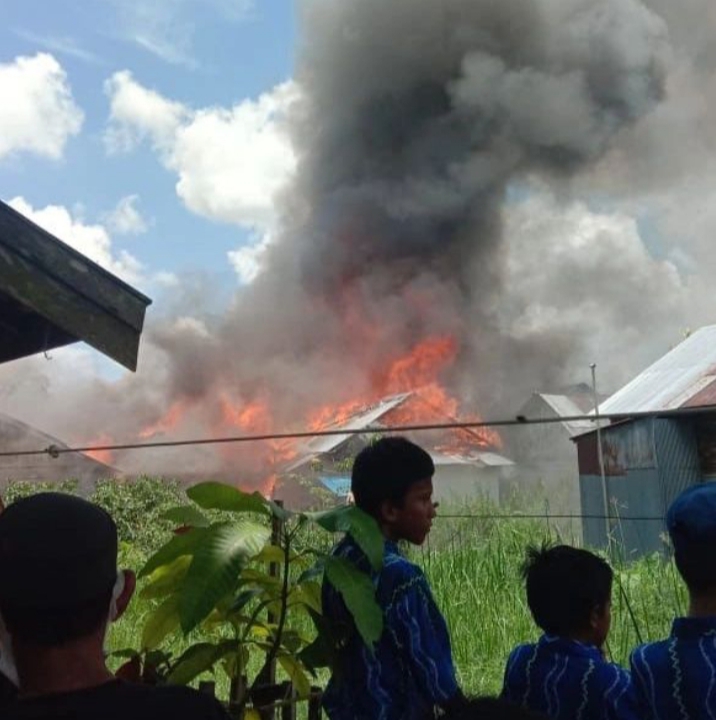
51,295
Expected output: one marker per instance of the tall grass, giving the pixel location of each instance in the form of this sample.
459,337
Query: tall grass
472,564
473,567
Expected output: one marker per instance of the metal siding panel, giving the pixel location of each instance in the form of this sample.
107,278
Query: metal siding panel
677,458
637,495
590,493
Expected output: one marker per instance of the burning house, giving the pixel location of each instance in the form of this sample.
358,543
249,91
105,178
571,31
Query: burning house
467,462
639,465
385,270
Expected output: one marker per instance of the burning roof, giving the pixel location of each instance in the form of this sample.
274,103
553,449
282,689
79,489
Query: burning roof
450,446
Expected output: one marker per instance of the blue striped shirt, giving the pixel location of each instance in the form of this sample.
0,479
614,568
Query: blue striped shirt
567,680
675,679
411,669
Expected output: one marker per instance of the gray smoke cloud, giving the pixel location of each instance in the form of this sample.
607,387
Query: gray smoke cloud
440,147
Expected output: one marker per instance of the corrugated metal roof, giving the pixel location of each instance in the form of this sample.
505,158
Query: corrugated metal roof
479,459
565,407
359,421
684,375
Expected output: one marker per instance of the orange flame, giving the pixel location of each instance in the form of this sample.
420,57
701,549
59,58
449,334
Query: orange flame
102,456
166,423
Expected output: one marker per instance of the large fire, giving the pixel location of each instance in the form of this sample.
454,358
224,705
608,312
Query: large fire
416,377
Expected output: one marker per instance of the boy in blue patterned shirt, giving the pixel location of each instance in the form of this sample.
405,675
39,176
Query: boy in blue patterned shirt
676,677
410,671
564,675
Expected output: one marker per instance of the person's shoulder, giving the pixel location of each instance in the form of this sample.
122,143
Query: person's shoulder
647,652
521,653
399,571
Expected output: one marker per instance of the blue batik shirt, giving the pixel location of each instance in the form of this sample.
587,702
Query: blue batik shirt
567,680
410,670
675,679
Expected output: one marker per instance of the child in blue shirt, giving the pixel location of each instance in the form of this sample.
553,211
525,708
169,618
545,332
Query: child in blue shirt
410,671
676,677
565,675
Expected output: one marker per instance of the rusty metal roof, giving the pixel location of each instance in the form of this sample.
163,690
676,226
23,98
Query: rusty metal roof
683,378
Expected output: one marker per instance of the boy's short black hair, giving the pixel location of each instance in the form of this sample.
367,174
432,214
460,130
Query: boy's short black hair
489,708
564,585
385,470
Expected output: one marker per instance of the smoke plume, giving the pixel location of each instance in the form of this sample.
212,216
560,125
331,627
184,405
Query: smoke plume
437,143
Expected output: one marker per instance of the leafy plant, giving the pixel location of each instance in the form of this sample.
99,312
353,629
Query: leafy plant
242,575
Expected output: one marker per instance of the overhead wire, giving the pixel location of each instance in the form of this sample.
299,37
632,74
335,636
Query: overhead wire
56,451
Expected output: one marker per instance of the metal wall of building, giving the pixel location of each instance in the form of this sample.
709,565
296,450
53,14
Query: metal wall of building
647,462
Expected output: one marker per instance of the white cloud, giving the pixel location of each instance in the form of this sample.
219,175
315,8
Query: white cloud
38,113
60,44
137,113
231,163
92,241
125,219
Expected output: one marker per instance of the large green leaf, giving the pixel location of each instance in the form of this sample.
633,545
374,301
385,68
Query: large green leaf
214,570
179,545
198,659
166,578
187,515
362,527
219,496
359,596
297,674
162,622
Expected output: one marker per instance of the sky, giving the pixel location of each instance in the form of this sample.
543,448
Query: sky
163,140
109,108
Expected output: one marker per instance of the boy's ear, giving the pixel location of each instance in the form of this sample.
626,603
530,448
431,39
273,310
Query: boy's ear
387,511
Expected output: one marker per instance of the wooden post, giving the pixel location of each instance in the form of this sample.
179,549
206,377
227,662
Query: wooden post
314,704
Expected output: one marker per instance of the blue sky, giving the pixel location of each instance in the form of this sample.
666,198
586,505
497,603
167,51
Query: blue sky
195,55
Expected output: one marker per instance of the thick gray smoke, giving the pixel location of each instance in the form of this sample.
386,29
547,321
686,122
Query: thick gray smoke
416,119
423,128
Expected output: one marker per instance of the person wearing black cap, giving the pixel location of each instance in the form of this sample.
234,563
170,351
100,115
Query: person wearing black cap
59,589
410,671
676,678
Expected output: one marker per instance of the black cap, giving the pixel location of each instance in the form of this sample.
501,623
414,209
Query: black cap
56,551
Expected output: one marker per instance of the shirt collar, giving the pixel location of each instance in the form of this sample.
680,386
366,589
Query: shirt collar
690,628
566,646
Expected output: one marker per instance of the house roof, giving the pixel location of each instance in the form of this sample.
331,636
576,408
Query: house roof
370,418
51,295
683,378
565,406
16,435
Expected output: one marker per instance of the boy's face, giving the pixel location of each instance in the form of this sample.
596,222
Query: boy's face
412,520
601,621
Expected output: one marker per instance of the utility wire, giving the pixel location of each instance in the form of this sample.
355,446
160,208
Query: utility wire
55,451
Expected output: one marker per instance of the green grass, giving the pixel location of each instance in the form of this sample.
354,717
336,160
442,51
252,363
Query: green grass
475,580
472,565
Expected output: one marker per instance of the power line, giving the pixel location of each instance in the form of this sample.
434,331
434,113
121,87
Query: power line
55,451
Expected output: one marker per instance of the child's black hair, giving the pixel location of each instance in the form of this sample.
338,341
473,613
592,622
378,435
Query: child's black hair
564,586
385,470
